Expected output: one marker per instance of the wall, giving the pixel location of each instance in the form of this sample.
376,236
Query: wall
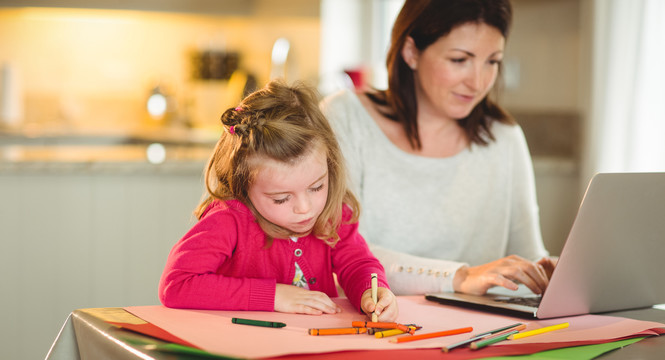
543,88
544,44
95,68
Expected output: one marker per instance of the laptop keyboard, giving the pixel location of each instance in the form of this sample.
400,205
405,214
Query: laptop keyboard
526,301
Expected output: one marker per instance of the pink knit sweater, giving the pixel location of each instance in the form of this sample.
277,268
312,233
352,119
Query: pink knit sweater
222,263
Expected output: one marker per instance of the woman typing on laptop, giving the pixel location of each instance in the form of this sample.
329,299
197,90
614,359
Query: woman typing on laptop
442,172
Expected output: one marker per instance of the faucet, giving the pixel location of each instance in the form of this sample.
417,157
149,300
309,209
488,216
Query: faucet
280,53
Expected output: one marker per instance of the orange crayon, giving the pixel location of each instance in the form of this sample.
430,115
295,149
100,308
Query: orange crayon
373,324
406,329
383,325
338,331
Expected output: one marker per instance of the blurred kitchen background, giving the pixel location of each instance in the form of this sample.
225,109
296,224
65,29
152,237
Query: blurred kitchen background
109,109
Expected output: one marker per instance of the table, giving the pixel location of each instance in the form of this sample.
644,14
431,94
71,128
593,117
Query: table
86,336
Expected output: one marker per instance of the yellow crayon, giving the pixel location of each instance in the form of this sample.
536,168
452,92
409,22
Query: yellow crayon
391,332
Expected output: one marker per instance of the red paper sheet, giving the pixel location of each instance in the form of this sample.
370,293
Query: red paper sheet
154,331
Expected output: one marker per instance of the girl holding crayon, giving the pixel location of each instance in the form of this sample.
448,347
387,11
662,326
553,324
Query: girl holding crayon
278,220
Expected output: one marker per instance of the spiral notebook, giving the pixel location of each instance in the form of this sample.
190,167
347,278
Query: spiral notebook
611,260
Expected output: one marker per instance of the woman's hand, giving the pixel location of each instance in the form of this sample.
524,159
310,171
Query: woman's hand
506,272
386,306
548,264
292,299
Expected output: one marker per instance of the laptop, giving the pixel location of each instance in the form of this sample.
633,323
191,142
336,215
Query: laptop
612,260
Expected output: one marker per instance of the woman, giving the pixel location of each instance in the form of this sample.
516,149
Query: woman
442,172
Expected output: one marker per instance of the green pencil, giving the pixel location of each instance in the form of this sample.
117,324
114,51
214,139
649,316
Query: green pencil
272,324
489,341
478,337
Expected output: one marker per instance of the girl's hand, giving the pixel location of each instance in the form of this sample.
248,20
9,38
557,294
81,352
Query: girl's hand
292,299
507,272
386,306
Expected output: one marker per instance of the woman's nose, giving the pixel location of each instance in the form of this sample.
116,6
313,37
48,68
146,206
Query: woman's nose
475,78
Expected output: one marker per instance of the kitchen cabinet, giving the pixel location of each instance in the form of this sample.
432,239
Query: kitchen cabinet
79,235
213,7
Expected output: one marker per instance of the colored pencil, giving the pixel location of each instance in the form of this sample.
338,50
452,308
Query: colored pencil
491,332
481,336
539,331
337,331
492,340
432,335
262,323
374,283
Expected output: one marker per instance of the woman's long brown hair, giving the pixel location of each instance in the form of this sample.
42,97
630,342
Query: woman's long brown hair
425,21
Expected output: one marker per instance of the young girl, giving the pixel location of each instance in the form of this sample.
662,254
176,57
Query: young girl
279,219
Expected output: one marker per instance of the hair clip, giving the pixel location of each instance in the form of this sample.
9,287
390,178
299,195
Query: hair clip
232,129
238,108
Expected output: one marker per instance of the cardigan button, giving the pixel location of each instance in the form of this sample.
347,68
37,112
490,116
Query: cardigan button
298,252
312,281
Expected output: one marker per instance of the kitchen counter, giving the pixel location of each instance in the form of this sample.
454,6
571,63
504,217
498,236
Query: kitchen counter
129,151
58,135
104,158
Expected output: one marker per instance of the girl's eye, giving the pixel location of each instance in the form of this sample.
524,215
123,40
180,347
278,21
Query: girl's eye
458,60
280,201
318,188
495,62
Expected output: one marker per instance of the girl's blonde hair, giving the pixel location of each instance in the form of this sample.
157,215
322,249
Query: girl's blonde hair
283,123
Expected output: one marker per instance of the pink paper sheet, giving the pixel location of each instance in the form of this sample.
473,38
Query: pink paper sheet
214,332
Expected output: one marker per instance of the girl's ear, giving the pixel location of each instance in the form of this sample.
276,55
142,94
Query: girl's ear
410,53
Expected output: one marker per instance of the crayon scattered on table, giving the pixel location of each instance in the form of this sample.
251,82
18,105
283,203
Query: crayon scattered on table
374,324
337,331
391,332
382,325
262,323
